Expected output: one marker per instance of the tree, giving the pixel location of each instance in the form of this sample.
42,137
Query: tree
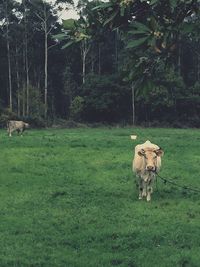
7,7
153,27
47,18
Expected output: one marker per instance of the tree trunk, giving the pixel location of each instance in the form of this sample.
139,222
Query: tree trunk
133,103
179,58
8,58
46,75
26,61
24,82
92,61
99,66
83,54
116,48
84,58
23,99
18,84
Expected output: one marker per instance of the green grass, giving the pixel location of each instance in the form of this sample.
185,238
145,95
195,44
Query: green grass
68,198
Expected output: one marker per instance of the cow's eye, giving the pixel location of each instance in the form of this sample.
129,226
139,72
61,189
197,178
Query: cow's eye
155,157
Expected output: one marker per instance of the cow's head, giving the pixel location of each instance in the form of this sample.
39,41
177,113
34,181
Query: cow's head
150,156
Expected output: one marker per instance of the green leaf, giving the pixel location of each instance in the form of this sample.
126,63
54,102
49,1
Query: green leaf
60,36
102,6
68,24
140,26
135,43
138,32
68,44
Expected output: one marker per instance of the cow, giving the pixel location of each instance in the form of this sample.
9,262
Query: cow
146,163
18,126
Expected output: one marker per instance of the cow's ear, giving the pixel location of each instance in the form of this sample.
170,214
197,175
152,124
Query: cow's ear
159,152
141,152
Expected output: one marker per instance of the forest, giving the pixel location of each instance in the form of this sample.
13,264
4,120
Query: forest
121,62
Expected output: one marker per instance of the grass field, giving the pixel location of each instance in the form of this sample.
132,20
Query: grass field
68,198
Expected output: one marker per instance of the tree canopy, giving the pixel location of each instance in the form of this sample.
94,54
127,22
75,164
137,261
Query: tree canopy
122,61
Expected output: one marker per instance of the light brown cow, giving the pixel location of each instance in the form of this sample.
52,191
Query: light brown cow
18,126
146,162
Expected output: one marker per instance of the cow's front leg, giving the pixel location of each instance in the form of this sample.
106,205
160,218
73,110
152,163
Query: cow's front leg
149,190
140,188
144,189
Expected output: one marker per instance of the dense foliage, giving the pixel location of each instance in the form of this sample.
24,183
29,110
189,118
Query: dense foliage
122,61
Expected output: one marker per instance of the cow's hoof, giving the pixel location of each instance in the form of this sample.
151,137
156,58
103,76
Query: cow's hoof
140,198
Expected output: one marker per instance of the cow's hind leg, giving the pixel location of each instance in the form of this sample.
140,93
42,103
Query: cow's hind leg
10,132
21,131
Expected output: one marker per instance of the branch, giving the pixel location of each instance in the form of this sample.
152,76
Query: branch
52,45
53,24
41,18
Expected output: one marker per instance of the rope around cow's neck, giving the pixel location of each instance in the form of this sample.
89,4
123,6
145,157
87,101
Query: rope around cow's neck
170,181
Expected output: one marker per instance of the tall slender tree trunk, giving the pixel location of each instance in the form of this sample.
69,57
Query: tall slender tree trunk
116,48
26,61
23,99
84,59
9,77
83,54
99,53
133,102
46,76
24,82
18,84
84,51
92,61
8,58
179,57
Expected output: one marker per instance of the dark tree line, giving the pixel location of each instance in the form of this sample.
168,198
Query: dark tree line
120,62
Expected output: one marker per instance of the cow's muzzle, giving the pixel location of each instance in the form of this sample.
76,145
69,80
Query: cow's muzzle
151,168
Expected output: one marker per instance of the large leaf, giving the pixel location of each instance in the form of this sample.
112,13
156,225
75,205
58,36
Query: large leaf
138,32
60,36
135,43
68,44
68,24
140,26
102,6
